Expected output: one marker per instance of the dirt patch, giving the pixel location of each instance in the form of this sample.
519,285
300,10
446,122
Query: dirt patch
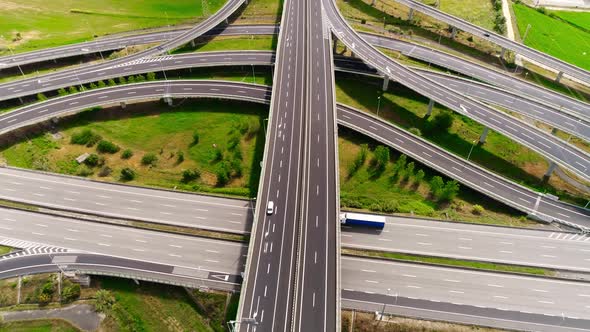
15,40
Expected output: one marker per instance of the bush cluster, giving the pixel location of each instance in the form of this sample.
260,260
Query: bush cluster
85,137
107,147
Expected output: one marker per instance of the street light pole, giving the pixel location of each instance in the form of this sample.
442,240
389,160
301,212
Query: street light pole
253,75
471,150
378,104
384,306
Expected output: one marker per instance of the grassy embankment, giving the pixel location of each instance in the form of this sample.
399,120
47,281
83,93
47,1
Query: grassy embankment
41,325
145,129
448,262
407,109
34,24
554,36
4,250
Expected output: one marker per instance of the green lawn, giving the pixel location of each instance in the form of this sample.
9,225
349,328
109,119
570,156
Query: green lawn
478,12
554,36
165,132
262,11
232,43
44,24
154,307
579,19
41,325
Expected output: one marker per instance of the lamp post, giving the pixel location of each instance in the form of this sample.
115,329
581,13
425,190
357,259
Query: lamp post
378,104
384,306
471,150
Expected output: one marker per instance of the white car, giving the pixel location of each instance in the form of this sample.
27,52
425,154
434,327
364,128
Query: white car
270,208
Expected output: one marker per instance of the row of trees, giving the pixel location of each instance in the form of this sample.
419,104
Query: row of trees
102,84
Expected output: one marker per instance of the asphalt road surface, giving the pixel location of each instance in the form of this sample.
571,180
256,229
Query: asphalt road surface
317,301
547,145
541,248
126,202
467,173
266,302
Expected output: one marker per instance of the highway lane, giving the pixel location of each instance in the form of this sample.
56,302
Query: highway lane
126,202
467,173
266,302
71,76
501,79
513,101
549,249
558,250
454,292
500,40
317,287
119,41
475,177
547,145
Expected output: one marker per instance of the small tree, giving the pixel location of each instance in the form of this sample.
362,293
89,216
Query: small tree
62,92
70,293
149,159
190,175
41,97
92,160
127,154
122,80
381,154
419,176
93,85
440,123
151,76
410,170
450,190
477,209
139,78
179,157
436,186
130,79
127,174
72,89
104,300
195,138
101,84
111,82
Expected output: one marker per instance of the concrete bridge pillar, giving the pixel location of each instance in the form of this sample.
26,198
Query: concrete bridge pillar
430,105
411,15
123,105
21,100
193,43
385,82
559,76
484,135
502,53
168,100
550,170
335,45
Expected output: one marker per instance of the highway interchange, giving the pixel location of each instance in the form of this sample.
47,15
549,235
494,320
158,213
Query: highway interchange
311,143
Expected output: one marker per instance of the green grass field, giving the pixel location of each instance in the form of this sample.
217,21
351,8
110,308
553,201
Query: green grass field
44,24
478,12
154,307
553,36
152,128
41,325
580,19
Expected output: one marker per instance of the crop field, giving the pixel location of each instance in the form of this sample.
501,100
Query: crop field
27,25
553,36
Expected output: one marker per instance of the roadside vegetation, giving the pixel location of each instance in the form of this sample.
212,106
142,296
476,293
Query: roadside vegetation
549,33
479,12
486,266
4,250
34,24
500,154
196,146
368,322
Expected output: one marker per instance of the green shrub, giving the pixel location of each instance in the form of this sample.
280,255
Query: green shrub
419,176
195,138
222,173
85,137
70,293
104,300
436,186
130,79
217,155
62,92
179,157
127,154
122,80
190,175
107,147
93,85
101,84
127,174
440,123
111,82
105,171
415,131
477,209
149,159
72,89
151,76
139,78
92,160
41,97
381,157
